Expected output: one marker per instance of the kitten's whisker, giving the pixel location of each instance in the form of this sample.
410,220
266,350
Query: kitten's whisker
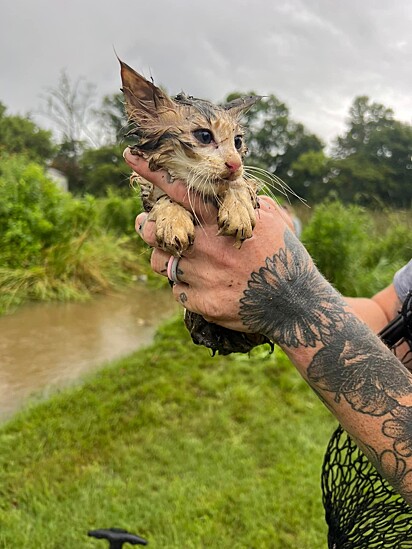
266,190
247,180
270,191
257,181
275,181
193,211
207,187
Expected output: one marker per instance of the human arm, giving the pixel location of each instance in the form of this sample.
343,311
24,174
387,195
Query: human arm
378,310
272,286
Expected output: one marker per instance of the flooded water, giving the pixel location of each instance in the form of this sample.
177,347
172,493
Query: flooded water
45,346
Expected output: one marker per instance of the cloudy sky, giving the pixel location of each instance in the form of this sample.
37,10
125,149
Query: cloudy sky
315,55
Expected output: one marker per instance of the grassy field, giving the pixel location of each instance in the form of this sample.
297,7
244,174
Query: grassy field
185,449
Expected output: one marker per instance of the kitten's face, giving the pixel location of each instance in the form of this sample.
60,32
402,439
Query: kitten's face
192,139
209,148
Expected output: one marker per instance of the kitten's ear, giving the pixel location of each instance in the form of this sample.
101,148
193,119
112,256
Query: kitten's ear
142,97
242,104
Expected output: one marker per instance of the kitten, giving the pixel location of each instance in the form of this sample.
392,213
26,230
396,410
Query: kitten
201,144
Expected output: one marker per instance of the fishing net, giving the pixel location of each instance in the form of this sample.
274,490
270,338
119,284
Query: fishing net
361,509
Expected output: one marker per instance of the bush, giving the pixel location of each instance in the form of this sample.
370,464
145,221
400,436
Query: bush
118,213
393,244
31,213
337,237
356,252
54,246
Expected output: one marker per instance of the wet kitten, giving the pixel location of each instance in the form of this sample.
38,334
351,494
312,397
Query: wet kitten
201,144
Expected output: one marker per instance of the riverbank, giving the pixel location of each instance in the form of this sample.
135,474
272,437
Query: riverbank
185,449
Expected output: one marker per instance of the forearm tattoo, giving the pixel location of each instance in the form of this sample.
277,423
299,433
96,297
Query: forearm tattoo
302,317
289,301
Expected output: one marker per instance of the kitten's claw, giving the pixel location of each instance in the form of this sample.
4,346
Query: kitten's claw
236,216
174,243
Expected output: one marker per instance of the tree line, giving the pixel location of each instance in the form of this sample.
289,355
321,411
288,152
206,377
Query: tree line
369,164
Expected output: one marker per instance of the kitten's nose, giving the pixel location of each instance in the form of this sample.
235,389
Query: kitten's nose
233,165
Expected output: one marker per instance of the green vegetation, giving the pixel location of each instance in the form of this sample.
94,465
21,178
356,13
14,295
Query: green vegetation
184,449
370,164
19,135
55,246
357,251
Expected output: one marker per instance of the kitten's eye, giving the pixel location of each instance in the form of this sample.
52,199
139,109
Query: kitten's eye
204,136
238,142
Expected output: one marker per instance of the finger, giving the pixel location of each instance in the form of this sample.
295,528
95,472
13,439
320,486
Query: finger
182,293
190,299
140,221
177,190
146,229
159,261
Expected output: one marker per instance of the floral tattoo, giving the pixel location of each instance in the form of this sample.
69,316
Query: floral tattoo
290,302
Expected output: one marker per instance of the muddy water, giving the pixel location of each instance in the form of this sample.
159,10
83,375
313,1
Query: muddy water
45,346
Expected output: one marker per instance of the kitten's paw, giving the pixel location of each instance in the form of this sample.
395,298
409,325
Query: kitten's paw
175,239
175,230
238,224
236,217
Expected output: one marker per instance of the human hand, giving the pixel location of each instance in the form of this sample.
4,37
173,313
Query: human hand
216,278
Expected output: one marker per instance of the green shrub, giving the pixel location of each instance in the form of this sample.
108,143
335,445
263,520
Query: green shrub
393,244
117,213
31,213
356,250
54,246
337,237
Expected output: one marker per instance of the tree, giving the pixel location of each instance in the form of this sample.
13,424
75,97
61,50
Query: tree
103,168
365,120
113,117
275,141
311,175
373,159
70,107
22,135
392,150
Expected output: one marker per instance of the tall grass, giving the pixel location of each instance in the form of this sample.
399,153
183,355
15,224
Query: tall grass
55,246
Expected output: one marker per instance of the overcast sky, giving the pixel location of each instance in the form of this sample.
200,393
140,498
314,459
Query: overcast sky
315,55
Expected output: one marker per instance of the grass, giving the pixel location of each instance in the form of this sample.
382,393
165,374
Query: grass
75,271
182,448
